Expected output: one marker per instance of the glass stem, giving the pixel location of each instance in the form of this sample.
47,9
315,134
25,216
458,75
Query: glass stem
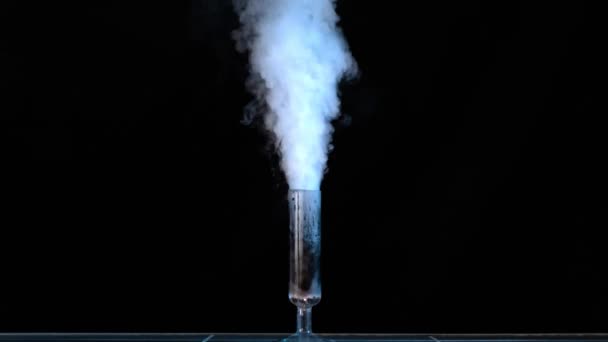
304,320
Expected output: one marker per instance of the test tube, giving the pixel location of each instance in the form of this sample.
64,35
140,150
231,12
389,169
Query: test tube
304,255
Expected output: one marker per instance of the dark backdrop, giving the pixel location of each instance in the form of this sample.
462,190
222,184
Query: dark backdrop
464,192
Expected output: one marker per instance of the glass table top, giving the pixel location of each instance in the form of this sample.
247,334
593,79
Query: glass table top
196,337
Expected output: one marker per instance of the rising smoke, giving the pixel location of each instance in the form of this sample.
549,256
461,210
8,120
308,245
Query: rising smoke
298,57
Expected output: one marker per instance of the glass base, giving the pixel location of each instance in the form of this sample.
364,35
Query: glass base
300,337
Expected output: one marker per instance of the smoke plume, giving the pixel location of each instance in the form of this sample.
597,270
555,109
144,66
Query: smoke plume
298,56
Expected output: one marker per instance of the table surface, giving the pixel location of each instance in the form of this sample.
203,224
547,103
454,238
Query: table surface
209,337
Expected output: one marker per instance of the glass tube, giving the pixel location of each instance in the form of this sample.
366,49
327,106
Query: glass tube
304,258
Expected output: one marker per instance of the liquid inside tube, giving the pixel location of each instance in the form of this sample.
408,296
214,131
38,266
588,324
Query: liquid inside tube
305,247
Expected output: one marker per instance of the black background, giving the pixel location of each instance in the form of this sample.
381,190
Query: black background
464,192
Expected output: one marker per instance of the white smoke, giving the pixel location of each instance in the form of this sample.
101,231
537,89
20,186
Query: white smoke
298,57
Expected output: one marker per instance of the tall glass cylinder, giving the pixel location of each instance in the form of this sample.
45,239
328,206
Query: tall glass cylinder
304,257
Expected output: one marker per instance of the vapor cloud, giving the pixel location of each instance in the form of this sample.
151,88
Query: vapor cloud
298,56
